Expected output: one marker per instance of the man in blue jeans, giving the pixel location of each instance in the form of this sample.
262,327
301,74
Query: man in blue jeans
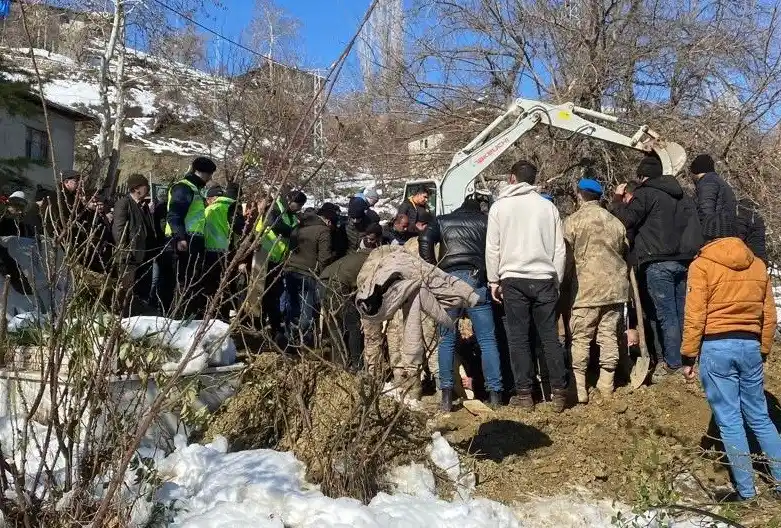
461,236
730,322
663,225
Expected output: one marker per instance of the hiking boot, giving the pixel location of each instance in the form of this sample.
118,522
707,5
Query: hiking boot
606,383
580,386
494,399
524,400
559,400
662,373
446,403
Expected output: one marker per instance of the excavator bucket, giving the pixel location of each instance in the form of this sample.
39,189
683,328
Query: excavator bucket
675,152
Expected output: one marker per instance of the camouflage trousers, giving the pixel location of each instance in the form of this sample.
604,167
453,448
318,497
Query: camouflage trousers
602,322
405,364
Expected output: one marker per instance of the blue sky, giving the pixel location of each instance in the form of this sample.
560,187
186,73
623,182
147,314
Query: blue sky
326,25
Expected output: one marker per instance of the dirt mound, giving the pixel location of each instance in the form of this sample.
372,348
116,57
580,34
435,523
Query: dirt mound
657,445
339,424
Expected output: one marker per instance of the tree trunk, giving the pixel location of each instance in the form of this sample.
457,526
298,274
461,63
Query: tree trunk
103,85
119,117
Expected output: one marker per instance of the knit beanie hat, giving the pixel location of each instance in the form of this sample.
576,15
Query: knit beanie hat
371,195
718,225
134,181
702,164
649,167
204,165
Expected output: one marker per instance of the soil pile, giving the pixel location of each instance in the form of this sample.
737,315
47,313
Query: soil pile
656,445
338,423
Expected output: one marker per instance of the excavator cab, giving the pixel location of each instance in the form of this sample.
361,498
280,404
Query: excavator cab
411,187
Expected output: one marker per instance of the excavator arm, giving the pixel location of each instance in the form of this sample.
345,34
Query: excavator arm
460,179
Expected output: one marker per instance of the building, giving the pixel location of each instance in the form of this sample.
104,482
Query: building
286,93
23,138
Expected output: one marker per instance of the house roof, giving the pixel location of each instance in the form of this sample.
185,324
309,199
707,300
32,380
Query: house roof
66,111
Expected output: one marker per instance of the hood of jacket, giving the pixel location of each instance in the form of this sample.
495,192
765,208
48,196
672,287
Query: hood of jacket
517,189
730,252
667,184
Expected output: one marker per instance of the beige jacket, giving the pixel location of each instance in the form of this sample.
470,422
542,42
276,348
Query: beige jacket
392,279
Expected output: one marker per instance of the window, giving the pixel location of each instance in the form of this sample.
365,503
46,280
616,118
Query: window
37,145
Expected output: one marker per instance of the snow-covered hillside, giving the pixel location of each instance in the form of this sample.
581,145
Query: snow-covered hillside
174,109
160,92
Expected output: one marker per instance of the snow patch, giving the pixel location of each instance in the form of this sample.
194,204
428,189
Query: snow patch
215,347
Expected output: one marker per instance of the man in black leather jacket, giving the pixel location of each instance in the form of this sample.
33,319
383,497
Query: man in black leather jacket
461,236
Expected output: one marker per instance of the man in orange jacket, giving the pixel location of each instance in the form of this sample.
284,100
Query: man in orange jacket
730,320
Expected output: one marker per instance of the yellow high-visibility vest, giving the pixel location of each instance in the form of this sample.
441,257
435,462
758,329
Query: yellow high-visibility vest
195,220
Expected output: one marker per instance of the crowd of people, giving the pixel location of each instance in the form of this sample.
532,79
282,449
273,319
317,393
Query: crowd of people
541,294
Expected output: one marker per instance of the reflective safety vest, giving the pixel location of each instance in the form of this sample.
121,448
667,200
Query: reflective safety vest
195,220
218,227
276,247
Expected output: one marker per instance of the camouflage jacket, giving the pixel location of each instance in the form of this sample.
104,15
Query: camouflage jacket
596,257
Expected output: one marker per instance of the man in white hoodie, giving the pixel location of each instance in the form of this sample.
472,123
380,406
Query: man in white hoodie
525,258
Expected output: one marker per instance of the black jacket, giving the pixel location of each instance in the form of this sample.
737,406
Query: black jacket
391,236
714,196
662,221
461,235
751,228
413,212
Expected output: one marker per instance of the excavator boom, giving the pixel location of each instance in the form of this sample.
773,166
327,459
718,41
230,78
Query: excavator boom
467,165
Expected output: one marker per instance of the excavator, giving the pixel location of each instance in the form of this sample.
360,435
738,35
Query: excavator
464,176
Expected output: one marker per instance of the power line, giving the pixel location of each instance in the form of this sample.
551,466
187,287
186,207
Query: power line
223,37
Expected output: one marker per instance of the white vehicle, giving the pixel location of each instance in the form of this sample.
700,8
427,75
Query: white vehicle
464,174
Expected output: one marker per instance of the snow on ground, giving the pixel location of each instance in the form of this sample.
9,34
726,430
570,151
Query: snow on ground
215,347
207,487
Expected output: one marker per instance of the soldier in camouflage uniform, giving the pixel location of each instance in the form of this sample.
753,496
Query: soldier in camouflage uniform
597,251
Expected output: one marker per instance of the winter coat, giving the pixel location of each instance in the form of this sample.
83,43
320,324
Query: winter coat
751,228
462,238
360,209
393,278
714,196
342,274
132,229
597,249
525,237
413,212
662,222
310,245
730,295
179,204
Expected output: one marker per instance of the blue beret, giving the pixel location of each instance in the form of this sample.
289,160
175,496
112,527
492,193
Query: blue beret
587,184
